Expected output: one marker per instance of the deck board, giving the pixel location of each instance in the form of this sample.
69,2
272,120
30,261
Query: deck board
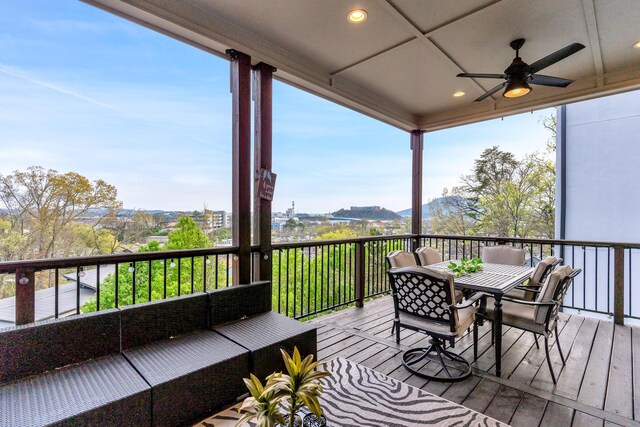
596,375
573,373
619,399
594,387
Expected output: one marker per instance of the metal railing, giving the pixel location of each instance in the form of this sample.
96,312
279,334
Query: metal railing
116,280
310,278
605,285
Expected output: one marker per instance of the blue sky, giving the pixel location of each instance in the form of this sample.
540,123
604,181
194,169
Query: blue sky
86,91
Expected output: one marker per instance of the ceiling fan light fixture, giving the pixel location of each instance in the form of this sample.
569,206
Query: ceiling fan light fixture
357,15
459,93
516,88
637,44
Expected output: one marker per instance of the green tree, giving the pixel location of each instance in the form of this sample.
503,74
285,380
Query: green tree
183,276
41,204
503,196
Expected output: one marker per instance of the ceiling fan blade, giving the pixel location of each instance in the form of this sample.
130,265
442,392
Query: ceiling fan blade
491,92
482,76
556,56
539,79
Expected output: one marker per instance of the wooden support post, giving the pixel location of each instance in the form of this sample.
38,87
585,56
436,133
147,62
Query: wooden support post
262,143
360,274
25,297
241,158
618,285
417,138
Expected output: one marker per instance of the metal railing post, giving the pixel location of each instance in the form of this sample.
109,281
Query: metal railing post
618,285
360,274
25,296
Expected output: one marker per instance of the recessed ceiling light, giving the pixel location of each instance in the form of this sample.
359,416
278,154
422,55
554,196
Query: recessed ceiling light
357,15
637,44
459,94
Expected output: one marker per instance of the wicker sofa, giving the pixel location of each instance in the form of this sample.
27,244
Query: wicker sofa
159,363
70,372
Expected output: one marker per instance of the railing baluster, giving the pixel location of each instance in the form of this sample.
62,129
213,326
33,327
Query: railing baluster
117,296
192,274
56,291
78,290
164,276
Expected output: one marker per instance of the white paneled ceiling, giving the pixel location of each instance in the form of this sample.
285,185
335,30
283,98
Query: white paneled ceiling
400,64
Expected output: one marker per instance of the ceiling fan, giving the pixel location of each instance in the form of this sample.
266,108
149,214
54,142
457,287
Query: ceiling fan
519,76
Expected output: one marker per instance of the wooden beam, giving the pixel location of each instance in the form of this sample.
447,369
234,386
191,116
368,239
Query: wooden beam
618,285
594,39
25,296
417,138
262,151
241,159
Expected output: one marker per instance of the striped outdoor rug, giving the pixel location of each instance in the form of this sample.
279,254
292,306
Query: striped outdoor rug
358,396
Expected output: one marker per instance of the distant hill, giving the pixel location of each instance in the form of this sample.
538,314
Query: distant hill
427,207
375,213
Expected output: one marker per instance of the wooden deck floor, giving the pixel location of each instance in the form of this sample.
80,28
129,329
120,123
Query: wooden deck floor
599,386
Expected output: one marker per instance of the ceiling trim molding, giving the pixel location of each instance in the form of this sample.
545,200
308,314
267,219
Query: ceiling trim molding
594,39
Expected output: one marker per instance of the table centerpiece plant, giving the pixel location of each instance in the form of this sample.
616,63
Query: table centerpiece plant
466,266
298,388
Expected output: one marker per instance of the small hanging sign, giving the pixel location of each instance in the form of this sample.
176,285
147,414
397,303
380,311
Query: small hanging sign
267,184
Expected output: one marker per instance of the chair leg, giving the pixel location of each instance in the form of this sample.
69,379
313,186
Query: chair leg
475,341
558,344
493,337
535,337
546,349
393,328
397,333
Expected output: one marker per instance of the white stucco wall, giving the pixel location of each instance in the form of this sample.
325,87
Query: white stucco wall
603,169
602,196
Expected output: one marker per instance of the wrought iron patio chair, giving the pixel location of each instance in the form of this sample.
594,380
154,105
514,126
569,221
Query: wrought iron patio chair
529,290
423,301
540,316
429,256
401,259
503,254
398,259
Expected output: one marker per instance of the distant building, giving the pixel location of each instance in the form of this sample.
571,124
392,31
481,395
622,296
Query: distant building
216,219
291,212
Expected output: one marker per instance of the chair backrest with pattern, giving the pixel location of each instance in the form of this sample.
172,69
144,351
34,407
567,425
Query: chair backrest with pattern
397,259
424,293
428,256
503,254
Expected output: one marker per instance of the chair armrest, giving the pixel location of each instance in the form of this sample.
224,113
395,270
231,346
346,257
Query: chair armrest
469,301
530,288
534,303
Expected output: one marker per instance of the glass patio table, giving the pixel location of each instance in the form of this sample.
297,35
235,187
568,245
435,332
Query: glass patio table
496,280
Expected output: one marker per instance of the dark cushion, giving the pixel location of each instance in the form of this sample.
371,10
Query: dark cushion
105,391
44,346
191,375
160,320
236,302
265,334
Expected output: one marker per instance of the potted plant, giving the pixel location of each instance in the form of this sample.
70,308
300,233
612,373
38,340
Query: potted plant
298,388
466,266
260,406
